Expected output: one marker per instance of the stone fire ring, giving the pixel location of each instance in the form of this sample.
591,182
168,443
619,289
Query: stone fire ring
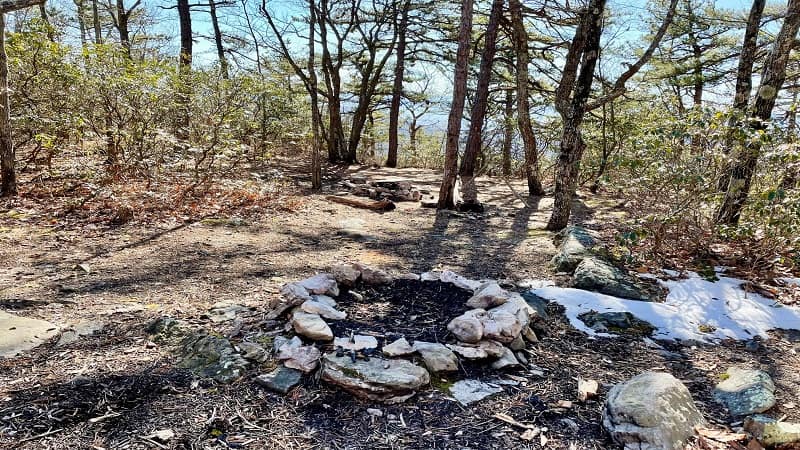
494,325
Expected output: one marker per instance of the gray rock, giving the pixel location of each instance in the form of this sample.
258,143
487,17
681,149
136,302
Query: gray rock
492,348
321,284
280,380
517,306
359,342
459,281
770,432
212,357
283,346
471,391
324,299
303,358
223,311
468,351
77,331
323,310
745,391
539,304
292,294
20,334
311,326
488,294
616,322
253,351
346,274
576,244
468,326
390,381
372,275
518,343
501,326
400,347
167,330
437,357
594,274
507,359
651,411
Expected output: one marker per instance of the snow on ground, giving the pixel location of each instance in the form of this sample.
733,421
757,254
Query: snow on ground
692,304
794,281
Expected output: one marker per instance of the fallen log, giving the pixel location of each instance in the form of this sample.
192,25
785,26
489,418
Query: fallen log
375,205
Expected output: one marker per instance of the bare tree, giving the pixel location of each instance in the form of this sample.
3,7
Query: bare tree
223,61
397,87
120,17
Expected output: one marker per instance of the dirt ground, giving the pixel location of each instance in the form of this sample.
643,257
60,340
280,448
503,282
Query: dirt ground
113,389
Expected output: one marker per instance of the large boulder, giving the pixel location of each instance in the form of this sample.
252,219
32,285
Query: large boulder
595,274
377,379
651,411
576,244
745,391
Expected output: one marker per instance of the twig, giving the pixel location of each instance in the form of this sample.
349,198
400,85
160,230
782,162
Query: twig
39,436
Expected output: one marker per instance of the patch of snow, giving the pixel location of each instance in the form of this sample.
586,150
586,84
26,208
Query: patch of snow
670,272
721,308
792,281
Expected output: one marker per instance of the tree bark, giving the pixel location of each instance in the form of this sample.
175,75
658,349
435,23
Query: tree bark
223,61
572,144
508,132
46,19
98,33
184,68
772,78
316,166
397,88
446,191
79,6
8,184
122,26
469,190
520,37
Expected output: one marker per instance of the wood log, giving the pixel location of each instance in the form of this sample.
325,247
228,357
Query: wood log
375,205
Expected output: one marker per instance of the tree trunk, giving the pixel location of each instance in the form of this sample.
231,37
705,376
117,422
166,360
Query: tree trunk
122,26
184,69
572,145
772,78
397,88
81,21
469,190
446,191
46,19
523,109
98,33
508,132
223,62
8,184
316,166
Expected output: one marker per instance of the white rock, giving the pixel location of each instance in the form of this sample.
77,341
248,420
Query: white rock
285,347
321,284
311,326
292,294
325,299
408,276
469,352
346,274
437,357
360,342
323,310
459,281
501,326
400,347
471,391
430,276
489,294
492,348
303,358
372,275
468,327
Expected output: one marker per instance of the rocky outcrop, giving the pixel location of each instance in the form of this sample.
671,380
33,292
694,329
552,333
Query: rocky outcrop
212,357
575,244
745,391
391,381
595,274
651,411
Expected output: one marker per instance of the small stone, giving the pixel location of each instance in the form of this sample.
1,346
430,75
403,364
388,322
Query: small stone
280,380
489,294
162,435
437,357
492,348
253,352
470,391
321,284
324,299
223,311
292,294
517,344
468,326
359,342
323,310
284,347
408,276
400,347
371,275
522,358
468,352
530,335
506,360
311,326
303,358
745,391
374,412
459,281
389,381
771,432
430,276
346,274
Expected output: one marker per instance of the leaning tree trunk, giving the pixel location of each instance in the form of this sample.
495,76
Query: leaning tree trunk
572,145
446,191
8,186
523,108
469,190
397,88
223,61
772,78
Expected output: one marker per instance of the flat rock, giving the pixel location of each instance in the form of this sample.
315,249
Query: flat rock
595,274
292,294
280,380
400,347
323,310
78,331
304,358
324,299
311,326
651,411
212,357
223,311
167,330
507,359
619,322
459,281
470,391
346,274
321,284
492,348
359,342
575,244
253,351
488,294
378,379
19,334
468,327
408,276
437,357
283,346
745,391
469,352
372,275
771,433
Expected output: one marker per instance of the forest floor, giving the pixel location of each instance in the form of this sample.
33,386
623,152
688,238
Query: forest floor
114,388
